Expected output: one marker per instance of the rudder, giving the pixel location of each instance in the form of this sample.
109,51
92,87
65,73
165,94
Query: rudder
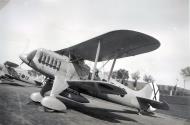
150,91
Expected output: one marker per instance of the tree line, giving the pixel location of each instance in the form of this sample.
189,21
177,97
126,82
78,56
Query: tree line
122,76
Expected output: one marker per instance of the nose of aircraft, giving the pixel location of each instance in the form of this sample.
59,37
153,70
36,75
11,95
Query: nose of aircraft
27,58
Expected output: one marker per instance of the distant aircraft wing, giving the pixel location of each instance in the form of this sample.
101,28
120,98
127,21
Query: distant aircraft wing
120,43
11,64
96,87
155,104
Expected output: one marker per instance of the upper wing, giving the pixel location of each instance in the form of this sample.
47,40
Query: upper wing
96,87
120,43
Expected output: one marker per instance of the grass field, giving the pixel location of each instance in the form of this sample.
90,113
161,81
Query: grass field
17,109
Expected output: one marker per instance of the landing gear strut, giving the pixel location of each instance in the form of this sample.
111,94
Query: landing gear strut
38,96
139,112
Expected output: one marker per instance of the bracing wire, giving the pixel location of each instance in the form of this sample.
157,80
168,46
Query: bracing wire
104,64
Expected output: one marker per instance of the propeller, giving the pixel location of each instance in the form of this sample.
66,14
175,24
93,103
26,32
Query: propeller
20,64
24,50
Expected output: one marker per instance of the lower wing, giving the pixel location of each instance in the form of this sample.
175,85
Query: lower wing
97,87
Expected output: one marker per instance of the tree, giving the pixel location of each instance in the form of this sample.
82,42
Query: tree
148,78
121,75
135,76
185,72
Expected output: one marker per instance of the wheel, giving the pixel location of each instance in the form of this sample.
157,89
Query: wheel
36,97
48,110
50,102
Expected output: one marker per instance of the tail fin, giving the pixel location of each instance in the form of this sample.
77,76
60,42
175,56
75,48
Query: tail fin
150,91
150,96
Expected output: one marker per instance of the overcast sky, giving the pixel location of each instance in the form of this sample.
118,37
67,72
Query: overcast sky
55,24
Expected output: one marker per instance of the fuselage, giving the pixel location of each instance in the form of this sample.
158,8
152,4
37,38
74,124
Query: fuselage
17,73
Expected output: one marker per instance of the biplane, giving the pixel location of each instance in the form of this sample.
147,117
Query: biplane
11,71
68,75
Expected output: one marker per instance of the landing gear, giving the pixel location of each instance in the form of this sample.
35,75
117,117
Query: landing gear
139,112
38,96
48,86
48,110
144,112
51,102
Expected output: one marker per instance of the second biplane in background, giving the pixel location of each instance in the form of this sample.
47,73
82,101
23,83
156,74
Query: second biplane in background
11,71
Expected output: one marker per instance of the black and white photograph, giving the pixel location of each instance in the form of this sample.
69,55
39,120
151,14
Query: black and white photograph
94,62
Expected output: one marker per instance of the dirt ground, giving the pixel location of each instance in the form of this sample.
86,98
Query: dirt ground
16,108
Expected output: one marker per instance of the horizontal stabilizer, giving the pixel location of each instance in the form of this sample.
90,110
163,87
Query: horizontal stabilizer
155,104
